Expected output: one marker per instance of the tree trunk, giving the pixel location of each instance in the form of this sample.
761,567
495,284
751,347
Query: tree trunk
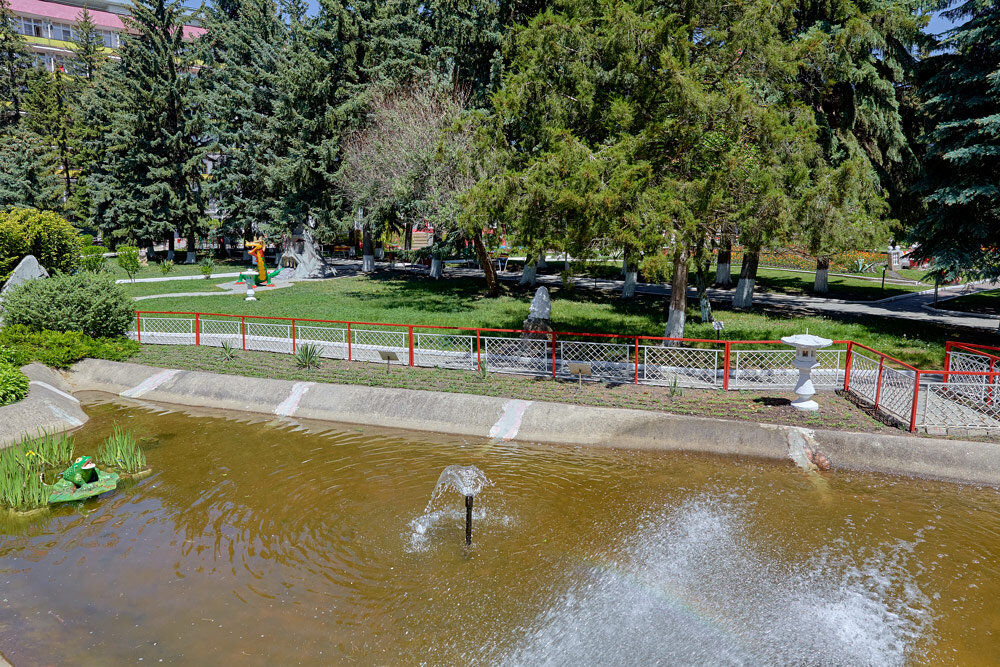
150,253
703,301
723,272
437,268
528,273
492,285
678,297
541,261
408,238
192,256
170,247
743,298
631,277
367,251
822,282
380,251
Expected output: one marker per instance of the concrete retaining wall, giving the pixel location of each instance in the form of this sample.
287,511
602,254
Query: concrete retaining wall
49,406
533,421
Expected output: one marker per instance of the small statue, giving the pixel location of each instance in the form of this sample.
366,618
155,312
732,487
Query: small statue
256,250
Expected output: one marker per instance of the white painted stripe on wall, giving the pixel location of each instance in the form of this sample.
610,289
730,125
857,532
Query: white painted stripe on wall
149,384
288,406
62,393
509,423
65,416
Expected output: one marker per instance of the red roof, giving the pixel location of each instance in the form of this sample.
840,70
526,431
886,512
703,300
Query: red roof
69,13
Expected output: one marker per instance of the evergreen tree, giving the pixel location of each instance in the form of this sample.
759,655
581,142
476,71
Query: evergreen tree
88,47
14,63
28,171
149,181
49,115
961,230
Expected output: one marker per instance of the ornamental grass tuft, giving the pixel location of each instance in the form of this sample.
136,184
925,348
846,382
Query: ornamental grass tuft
23,465
122,451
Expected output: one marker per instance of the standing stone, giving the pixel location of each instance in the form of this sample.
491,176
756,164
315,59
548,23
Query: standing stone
302,252
27,269
539,321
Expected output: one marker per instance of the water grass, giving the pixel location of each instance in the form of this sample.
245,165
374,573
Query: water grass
23,465
122,451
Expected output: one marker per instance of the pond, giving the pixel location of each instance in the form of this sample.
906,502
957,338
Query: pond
277,542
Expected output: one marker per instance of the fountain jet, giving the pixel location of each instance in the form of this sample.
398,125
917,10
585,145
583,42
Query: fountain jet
468,519
466,480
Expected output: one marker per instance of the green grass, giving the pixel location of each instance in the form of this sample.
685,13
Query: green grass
22,465
390,298
173,286
120,450
179,269
987,303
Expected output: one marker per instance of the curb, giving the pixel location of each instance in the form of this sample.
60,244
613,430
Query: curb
49,407
537,421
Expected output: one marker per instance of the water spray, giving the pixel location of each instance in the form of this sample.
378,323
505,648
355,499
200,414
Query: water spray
468,519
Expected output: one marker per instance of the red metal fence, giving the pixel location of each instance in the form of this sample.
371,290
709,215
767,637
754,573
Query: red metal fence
892,387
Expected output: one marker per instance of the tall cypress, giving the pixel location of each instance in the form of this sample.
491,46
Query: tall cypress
961,230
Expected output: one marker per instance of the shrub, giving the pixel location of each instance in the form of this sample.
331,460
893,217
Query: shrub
46,235
62,349
207,267
92,259
656,268
86,240
307,356
13,384
85,302
166,266
128,260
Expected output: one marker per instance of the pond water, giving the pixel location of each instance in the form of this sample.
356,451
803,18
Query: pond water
257,542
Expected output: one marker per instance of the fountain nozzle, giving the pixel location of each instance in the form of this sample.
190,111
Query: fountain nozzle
468,519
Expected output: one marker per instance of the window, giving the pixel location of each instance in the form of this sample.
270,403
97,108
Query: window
63,32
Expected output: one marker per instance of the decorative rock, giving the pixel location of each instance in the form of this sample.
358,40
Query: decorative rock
302,253
539,321
27,269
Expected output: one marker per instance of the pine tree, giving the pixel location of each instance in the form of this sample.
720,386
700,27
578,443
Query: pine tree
14,63
149,182
88,47
28,171
961,230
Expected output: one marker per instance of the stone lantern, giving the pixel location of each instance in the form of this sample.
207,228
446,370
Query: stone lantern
250,292
805,360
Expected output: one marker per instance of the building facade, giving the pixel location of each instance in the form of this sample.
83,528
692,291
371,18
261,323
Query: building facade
50,27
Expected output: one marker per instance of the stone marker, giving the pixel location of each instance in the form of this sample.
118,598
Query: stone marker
539,321
27,269
302,252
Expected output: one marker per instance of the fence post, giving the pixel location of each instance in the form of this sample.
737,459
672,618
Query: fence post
348,341
411,343
725,367
138,327
847,366
947,360
991,380
293,335
243,330
637,360
916,395
878,385
197,329
479,355
553,355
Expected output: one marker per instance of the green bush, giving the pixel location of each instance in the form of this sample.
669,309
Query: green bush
92,259
656,268
62,349
13,384
85,302
207,267
46,235
128,260
120,450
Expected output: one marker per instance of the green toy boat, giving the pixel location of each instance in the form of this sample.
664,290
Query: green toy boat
82,480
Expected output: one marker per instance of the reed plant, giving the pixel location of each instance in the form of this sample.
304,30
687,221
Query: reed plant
122,451
23,465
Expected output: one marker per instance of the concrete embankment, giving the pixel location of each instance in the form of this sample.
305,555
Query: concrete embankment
535,421
49,407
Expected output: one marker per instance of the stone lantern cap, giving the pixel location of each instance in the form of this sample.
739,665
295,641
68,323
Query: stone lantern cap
806,341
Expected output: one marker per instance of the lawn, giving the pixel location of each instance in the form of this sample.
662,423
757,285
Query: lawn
987,303
154,270
397,298
173,286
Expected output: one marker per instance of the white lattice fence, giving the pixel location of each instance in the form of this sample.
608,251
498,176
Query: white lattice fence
684,366
331,341
756,369
166,331
971,386
611,362
527,356
267,337
366,344
896,394
959,404
214,332
444,350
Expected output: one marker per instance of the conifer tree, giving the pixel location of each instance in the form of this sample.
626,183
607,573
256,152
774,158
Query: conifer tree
961,230
28,171
149,182
49,115
14,63
88,47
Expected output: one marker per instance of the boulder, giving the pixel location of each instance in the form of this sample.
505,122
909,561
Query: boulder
302,253
539,321
27,269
